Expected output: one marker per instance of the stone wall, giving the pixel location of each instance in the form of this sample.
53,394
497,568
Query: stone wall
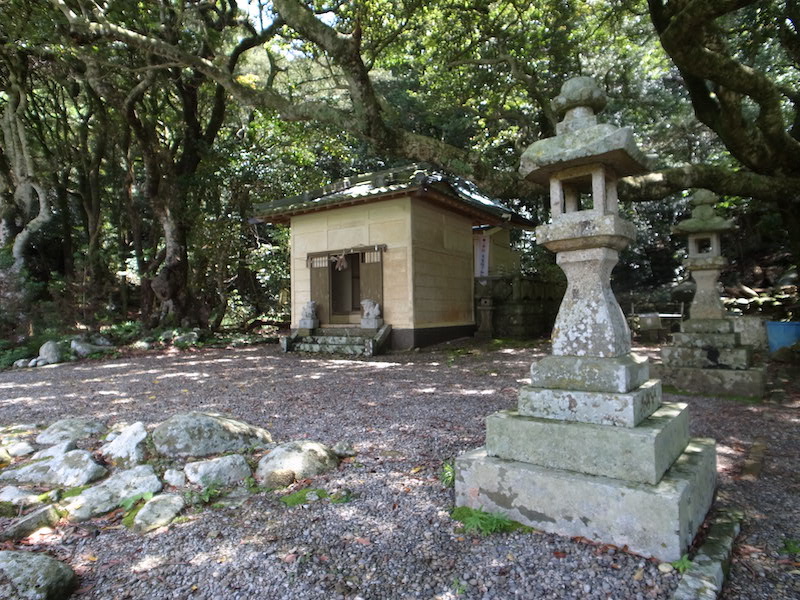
522,306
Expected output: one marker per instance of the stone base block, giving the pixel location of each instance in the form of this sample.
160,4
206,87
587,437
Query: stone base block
714,382
707,326
654,520
704,340
591,374
602,408
706,358
308,324
641,454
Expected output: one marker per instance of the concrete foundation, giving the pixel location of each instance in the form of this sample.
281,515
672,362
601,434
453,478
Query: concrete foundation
653,520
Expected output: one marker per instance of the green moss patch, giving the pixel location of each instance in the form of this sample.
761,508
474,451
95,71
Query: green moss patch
479,521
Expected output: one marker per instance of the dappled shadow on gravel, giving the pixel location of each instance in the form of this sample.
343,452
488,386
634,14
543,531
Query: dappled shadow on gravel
405,413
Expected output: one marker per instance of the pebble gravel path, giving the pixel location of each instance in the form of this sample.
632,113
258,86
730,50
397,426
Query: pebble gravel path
405,414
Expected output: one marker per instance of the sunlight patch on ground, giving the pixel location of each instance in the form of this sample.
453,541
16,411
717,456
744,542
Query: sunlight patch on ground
148,562
16,386
428,390
94,366
185,375
109,393
478,392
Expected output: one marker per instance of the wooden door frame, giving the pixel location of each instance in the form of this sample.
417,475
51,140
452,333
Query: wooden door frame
324,296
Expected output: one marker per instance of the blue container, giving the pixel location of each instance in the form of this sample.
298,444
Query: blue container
782,333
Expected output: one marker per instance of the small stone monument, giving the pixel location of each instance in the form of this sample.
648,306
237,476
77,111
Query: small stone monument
308,316
707,356
591,450
371,314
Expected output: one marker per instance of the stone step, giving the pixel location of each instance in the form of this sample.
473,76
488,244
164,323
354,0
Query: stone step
351,349
707,326
344,331
331,340
710,358
639,454
602,408
714,382
652,520
703,340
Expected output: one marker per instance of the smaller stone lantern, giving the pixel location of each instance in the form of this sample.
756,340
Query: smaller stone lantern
705,260
707,356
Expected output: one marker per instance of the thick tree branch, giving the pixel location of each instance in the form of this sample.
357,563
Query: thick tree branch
659,184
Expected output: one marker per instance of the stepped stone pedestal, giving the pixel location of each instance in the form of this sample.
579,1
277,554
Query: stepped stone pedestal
591,450
708,357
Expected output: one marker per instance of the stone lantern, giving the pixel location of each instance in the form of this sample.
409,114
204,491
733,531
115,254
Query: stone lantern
704,259
591,450
707,356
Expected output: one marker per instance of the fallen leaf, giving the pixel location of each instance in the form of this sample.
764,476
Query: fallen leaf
90,557
416,470
639,575
289,558
363,541
560,554
323,558
151,397
615,566
460,538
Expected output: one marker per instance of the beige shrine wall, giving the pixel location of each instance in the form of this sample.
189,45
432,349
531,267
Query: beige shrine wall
384,222
503,260
442,267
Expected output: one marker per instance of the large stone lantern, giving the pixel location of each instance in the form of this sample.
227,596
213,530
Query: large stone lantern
591,450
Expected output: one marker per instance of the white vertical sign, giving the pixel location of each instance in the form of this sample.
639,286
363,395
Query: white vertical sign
482,256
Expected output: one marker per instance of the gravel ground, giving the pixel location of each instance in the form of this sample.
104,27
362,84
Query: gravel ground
405,414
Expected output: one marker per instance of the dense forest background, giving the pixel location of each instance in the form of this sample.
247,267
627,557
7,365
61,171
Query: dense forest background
138,136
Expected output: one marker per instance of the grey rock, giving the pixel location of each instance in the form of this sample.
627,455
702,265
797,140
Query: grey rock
202,434
72,469
20,449
127,449
344,449
49,353
34,362
59,449
295,460
17,496
106,496
158,511
21,363
187,338
69,429
141,345
29,576
100,340
84,349
5,457
22,527
175,478
222,471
